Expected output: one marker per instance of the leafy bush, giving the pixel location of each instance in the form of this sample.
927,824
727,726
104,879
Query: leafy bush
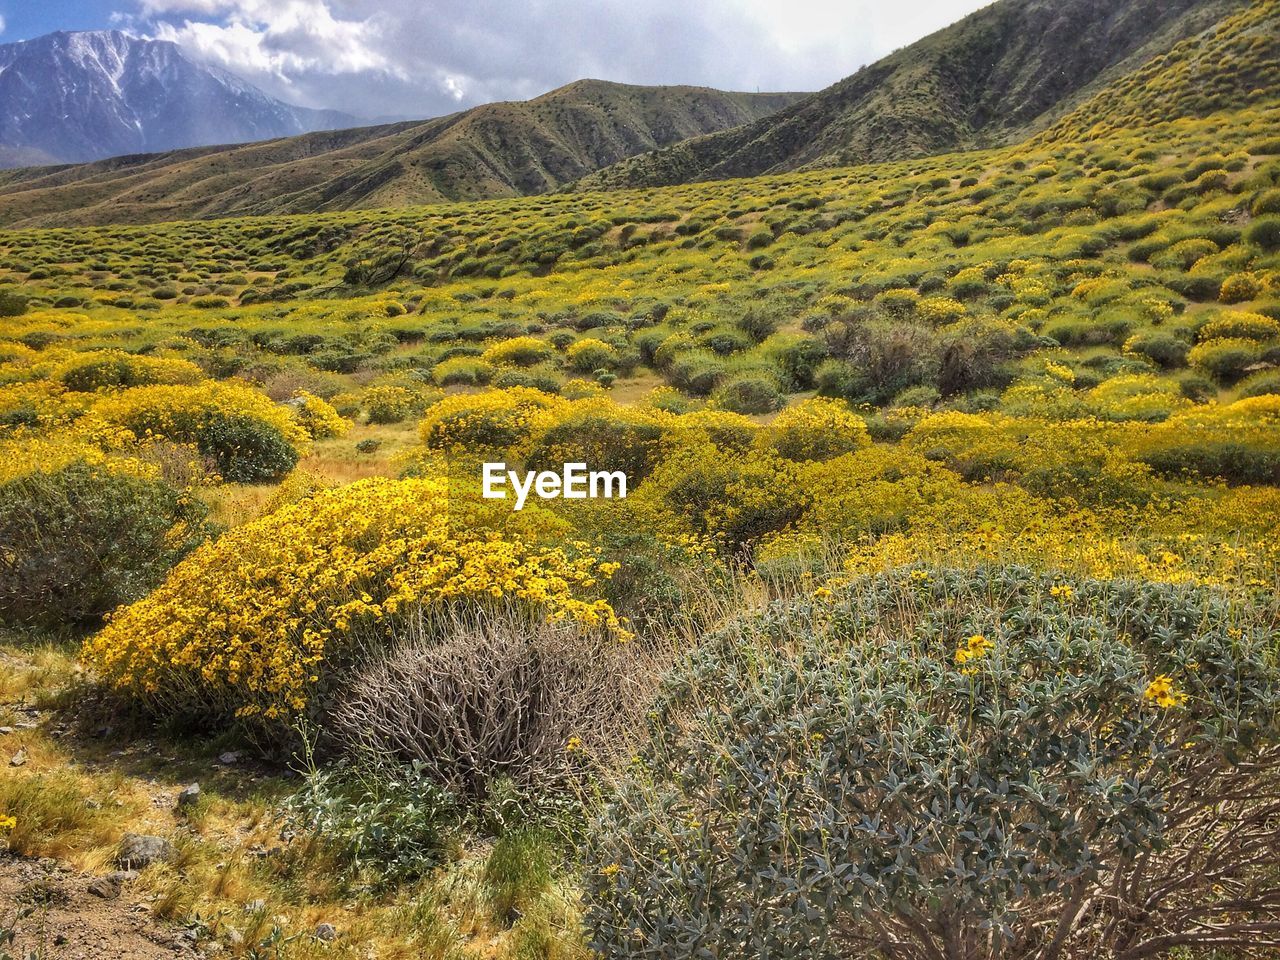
939,764
588,355
1225,360
12,304
392,828
1163,349
249,438
748,393
519,352
604,436
263,622
1265,233
318,417
85,534
816,429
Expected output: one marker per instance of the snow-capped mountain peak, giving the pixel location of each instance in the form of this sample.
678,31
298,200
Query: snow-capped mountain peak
69,97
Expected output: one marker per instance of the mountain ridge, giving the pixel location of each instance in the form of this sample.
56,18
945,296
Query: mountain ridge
78,96
503,149
983,81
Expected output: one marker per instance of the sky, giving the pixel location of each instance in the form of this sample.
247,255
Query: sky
423,58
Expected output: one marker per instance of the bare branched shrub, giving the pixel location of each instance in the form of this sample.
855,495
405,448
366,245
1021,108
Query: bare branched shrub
482,695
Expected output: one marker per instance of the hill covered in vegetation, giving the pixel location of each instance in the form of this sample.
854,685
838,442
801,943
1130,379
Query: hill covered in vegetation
956,473
988,79
496,150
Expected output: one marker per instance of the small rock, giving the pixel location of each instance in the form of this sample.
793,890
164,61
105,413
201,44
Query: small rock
18,759
326,931
189,796
108,888
139,850
230,758
255,906
5,731
234,937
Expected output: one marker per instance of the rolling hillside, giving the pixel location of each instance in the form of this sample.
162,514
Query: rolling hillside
989,79
496,150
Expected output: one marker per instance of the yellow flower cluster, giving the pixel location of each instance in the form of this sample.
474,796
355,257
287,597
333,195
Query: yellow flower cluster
184,413
318,417
250,623
497,421
1164,693
974,648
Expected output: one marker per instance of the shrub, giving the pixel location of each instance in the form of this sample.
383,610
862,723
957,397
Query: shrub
816,429
735,499
265,621
114,369
603,435
1184,254
1240,287
392,403
84,533
463,372
588,355
696,372
472,699
1265,233
318,417
12,304
941,764
1163,349
1239,324
393,828
497,422
1267,202
248,438
1260,384
748,393
1225,360
519,352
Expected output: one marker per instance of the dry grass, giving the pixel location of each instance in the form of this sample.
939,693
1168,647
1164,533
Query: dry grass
74,799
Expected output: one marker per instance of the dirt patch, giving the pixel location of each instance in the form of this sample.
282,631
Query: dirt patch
65,921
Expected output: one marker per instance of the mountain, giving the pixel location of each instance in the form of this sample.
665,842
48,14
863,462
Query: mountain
992,78
1235,64
495,150
72,97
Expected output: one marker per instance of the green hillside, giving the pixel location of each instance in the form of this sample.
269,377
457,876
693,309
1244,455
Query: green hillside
496,150
988,79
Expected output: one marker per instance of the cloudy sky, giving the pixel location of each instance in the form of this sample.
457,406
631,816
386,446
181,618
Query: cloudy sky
418,58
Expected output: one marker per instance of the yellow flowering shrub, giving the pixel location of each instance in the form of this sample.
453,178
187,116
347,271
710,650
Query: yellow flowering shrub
255,623
496,422
38,404
393,403
1240,324
603,435
250,438
114,369
518,352
729,432
816,429
590,354
318,417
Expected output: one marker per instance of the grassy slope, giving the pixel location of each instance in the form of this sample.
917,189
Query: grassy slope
496,150
985,80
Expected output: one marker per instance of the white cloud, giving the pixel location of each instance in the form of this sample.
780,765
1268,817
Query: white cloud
428,57
2,23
